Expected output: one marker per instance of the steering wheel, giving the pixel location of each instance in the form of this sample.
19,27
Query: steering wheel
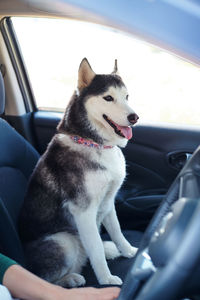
170,247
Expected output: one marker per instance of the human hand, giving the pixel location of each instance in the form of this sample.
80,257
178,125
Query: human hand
89,293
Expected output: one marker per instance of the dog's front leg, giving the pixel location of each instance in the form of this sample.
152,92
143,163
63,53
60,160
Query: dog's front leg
91,240
112,226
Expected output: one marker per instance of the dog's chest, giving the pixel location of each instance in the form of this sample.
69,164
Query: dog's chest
103,184
114,175
114,164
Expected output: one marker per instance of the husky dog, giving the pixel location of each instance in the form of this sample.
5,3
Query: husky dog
72,189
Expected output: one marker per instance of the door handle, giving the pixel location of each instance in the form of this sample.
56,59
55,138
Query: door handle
177,159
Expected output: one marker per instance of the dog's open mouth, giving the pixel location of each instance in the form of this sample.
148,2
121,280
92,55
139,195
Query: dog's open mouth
123,131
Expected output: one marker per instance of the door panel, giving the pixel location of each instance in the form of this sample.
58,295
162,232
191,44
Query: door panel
149,169
45,124
147,154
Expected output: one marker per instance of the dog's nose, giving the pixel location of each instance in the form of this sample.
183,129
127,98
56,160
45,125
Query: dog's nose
133,118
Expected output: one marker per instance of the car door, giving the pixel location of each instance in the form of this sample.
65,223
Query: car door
167,132
154,157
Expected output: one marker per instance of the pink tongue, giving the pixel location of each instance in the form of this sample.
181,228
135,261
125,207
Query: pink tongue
126,131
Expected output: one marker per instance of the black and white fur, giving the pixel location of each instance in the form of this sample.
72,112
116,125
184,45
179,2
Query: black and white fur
73,187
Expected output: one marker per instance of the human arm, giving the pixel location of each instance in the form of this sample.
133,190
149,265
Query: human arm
25,285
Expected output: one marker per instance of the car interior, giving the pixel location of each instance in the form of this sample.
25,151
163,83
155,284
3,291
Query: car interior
158,204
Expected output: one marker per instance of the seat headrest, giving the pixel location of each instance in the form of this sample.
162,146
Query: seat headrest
2,95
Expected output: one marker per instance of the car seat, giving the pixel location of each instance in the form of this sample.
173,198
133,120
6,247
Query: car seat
17,161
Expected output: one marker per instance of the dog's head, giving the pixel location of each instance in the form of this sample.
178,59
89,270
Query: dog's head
99,109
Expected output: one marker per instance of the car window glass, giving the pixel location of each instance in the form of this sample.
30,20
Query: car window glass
162,87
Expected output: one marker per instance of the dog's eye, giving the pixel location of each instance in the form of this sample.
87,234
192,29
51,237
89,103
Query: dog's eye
126,97
108,98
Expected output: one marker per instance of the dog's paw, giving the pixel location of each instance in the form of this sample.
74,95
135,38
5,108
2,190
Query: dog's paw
74,280
111,250
111,279
129,251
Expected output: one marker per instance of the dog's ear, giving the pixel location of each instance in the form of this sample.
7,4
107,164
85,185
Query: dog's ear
115,71
85,74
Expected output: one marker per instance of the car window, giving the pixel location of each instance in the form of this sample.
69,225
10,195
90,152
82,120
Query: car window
162,87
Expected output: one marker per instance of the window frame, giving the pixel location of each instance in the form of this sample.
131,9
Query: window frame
14,51
24,80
